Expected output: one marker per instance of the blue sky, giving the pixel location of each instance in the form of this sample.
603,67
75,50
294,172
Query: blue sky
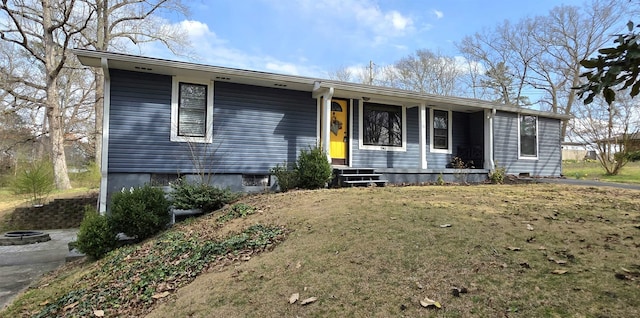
312,37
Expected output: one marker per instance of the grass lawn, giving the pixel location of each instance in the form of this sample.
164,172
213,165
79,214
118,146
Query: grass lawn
532,250
592,170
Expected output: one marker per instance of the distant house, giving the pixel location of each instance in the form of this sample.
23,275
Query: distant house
576,151
628,142
158,113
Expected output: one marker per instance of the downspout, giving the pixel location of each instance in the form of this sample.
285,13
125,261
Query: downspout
326,125
102,201
422,136
488,147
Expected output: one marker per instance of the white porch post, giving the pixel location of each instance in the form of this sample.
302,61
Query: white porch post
325,94
488,139
422,135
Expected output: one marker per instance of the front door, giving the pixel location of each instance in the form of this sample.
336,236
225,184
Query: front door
338,132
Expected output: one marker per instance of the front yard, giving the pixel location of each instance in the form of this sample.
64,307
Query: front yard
591,170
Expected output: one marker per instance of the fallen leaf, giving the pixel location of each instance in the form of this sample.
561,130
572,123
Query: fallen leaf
44,303
98,313
529,227
559,271
542,248
298,265
445,225
419,285
308,301
70,306
512,248
294,297
245,258
426,302
161,295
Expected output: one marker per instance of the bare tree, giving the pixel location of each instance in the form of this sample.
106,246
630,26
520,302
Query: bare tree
43,30
343,74
608,128
544,52
425,72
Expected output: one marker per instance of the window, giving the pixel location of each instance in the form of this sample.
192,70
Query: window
528,136
440,131
191,111
382,126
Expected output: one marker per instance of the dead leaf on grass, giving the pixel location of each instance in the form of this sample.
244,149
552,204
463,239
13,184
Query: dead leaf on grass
308,301
70,306
542,248
294,297
161,295
559,271
557,261
445,225
529,227
44,303
426,303
513,248
298,265
98,313
419,285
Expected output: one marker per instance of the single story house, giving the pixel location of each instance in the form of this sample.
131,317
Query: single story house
166,118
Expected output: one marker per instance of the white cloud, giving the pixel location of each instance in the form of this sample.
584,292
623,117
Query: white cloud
439,14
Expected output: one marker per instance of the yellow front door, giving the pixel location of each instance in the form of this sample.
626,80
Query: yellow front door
338,131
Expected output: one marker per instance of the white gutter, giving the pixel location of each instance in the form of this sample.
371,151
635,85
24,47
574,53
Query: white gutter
106,99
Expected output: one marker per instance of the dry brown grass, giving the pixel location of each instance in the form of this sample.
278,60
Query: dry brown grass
376,252
367,252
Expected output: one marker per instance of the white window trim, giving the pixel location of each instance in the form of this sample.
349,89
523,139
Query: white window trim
520,156
449,150
208,138
361,144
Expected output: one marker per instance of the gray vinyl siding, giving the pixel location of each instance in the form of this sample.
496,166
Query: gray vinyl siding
254,127
387,159
506,136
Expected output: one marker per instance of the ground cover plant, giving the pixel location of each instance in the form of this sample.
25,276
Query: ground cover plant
591,170
527,250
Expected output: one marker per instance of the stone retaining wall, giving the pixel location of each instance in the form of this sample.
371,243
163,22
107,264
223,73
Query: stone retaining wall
58,214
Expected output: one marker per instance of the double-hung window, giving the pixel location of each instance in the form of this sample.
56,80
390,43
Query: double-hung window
528,142
440,131
191,111
383,126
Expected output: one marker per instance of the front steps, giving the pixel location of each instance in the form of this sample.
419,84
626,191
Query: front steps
354,177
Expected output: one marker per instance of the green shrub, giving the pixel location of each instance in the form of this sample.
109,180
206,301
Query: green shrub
634,156
287,176
96,237
440,180
314,170
139,212
35,179
497,175
186,195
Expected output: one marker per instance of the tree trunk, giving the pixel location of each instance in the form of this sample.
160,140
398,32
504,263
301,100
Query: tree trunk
54,111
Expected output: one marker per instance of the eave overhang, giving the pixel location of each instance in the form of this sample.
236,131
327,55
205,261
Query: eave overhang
313,85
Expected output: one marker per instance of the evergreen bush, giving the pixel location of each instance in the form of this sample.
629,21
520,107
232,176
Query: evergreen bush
35,180
96,237
139,212
313,169
186,195
286,176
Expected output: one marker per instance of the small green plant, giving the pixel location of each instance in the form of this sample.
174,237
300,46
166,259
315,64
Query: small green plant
139,212
440,180
497,175
238,210
35,180
314,170
186,195
286,175
96,237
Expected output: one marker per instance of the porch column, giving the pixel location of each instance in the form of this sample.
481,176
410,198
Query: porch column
488,139
324,94
422,135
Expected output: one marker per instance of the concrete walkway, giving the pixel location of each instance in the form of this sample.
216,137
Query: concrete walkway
589,183
21,265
